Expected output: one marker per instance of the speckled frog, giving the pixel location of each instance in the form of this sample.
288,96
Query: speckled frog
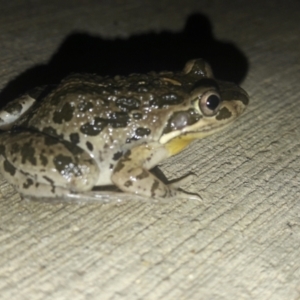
92,131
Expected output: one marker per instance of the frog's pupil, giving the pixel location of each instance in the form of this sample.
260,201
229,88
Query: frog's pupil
212,102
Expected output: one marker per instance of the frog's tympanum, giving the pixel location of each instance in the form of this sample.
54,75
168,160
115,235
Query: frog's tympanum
92,131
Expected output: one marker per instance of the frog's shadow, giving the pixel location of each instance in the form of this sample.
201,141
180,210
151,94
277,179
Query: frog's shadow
82,52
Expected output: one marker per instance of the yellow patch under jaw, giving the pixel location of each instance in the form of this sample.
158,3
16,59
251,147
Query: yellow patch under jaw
177,144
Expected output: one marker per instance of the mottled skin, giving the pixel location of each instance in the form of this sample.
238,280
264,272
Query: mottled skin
92,131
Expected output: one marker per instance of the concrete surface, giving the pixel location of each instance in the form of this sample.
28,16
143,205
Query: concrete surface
243,241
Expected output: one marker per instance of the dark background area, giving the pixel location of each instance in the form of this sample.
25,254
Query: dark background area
82,52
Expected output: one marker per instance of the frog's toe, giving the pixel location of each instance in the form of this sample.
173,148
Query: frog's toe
191,196
186,179
181,194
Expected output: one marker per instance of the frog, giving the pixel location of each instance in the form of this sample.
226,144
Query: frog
92,131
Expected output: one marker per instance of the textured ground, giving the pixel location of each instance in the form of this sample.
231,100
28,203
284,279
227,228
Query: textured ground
243,241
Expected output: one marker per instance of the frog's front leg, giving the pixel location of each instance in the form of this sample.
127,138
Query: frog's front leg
40,166
132,175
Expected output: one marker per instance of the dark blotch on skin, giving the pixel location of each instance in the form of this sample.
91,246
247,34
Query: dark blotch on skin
28,183
52,132
139,133
27,153
224,113
118,119
154,187
166,100
44,159
2,150
128,183
95,127
9,168
49,180
89,146
143,175
15,148
24,173
75,150
127,104
121,164
65,114
117,155
66,166
84,106
74,138
49,141
115,120
51,183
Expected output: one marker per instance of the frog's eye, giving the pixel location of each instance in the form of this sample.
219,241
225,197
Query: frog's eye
209,103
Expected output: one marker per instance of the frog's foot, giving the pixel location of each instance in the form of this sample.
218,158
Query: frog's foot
130,176
186,179
181,194
144,183
178,183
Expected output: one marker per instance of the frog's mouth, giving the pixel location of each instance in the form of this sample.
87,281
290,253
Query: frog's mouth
193,134
177,143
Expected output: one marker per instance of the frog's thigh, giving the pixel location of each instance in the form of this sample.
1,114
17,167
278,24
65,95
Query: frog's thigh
131,173
31,160
29,187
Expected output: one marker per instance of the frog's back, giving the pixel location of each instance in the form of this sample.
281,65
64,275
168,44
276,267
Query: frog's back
125,109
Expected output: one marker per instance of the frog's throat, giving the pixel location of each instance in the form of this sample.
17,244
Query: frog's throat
177,144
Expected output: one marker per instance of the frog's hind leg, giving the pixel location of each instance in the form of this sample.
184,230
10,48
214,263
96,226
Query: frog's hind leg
29,187
42,166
